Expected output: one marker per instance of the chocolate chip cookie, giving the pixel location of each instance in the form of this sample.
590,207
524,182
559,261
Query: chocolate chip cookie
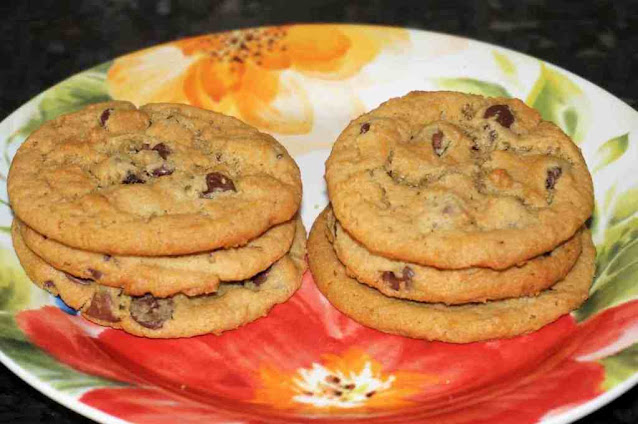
233,305
436,321
164,276
164,179
454,180
406,280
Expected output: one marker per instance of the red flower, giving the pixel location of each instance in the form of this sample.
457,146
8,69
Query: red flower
306,362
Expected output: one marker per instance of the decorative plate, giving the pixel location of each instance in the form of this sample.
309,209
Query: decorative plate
306,362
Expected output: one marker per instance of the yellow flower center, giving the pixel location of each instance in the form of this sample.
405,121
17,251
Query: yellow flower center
323,387
352,381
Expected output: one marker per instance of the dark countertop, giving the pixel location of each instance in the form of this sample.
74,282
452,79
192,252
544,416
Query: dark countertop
46,41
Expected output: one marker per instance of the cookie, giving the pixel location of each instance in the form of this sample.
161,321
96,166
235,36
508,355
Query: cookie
231,306
164,179
417,282
436,321
164,276
454,180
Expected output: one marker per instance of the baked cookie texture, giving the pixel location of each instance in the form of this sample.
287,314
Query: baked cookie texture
234,304
454,217
454,180
164,276
164,221
417,282
164,179
436,321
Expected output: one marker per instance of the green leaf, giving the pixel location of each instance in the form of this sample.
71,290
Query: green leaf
472,86
14,283
625,207
45,367
611,151
68,96
616,276
560,100
504,63
620,367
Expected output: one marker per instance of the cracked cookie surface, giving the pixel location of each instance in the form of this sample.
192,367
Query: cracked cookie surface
163,179
233,305
164,276
406,280
455,180
436,321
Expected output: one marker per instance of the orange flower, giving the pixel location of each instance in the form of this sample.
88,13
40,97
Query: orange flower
353,381
246,73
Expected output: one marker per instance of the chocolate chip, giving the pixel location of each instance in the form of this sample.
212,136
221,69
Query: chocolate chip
78,280
370,394
260,278
132,179
162,149
391,280
151,312
104,116
48,285
350,386
437,143
217,182
503,115
101,307
552,176
407,274
95,273
364,128
395,282
107,258
162,171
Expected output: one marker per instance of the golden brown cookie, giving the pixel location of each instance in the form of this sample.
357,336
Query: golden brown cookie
417,282
164,276
164,179
436,321
454,180
233,305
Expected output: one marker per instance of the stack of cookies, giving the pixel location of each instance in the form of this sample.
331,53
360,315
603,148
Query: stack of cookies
164,221
454,217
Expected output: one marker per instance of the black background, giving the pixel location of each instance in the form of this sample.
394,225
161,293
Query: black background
46,41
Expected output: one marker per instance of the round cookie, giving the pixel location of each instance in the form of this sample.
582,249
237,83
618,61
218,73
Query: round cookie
455,180
435,321
164,179
179,316
164,276
422,283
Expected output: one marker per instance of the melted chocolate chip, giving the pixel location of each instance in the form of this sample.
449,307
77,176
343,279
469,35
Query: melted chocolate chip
151,312
101,307
48,285
437,143
364,128
104,116
217,182
78,280
552,176
162,171
132,179
502,113
95,273
395,282
260,278
162,149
